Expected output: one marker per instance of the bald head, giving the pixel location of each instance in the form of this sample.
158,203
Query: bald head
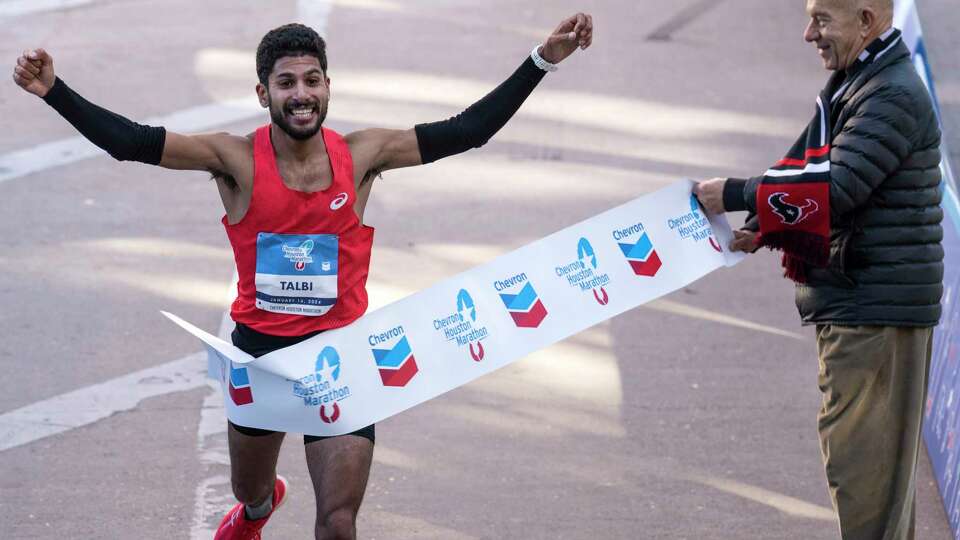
842,29
882,9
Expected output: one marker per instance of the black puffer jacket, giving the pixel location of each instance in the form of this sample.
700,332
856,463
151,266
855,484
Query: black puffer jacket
886,259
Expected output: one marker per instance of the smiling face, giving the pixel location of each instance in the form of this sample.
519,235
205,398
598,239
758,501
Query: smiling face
297,94
836,29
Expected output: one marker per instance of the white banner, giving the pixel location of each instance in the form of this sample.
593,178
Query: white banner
481,320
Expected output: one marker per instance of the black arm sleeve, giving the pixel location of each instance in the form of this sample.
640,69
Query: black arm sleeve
123,139
473,127
733,195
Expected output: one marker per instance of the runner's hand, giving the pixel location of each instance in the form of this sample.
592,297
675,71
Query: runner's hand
34,72
575,31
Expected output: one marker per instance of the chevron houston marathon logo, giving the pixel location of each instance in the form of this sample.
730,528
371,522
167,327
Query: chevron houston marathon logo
395,362
299,255
636,246
462,327
241,393
321,389
694,226
521,301
584,274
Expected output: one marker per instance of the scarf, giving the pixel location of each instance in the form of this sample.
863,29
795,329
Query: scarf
793,198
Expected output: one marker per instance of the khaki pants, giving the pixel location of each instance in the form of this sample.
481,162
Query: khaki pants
874,381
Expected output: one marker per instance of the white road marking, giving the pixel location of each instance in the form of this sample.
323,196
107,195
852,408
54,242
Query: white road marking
63,152
15,8
677,308
210,499
94,403
379,5
214,494
784,503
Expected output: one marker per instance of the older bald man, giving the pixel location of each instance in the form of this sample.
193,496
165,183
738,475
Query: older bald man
855,208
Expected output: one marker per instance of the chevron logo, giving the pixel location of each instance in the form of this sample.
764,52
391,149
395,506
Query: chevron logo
642,257
239,386
397,365
526,308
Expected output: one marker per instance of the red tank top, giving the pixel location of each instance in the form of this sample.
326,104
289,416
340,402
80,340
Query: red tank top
302,258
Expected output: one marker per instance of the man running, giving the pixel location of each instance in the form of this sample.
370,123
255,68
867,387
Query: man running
293,189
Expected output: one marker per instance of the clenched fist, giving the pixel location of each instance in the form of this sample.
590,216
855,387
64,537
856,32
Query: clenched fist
573,32
34,72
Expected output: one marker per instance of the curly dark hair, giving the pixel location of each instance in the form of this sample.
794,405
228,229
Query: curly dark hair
289,40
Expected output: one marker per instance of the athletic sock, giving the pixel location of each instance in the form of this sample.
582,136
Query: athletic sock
259,512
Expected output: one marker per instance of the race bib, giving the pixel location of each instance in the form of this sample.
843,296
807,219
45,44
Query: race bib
297,273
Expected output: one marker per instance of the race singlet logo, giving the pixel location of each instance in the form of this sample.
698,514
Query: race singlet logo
339,201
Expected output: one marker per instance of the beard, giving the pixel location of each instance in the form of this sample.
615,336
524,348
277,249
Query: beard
281,116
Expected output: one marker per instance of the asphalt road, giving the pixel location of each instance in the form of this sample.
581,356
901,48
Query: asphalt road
693,417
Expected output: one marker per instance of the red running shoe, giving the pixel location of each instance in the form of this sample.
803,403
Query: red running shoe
236,526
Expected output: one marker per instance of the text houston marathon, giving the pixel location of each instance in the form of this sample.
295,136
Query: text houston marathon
580,275
455,327
693,225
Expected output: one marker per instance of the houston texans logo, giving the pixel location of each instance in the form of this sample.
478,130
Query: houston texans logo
791,214
333,417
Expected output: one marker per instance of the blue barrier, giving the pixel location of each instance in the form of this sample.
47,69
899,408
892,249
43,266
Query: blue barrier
941,422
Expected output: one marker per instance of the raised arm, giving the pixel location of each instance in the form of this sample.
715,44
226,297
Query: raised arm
120,137
383,149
